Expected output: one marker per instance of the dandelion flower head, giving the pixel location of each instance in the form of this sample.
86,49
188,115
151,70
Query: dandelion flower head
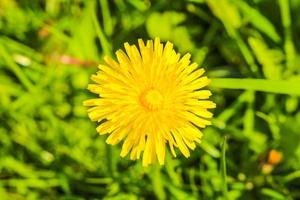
150,98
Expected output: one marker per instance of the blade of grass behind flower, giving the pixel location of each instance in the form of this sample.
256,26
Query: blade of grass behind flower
103,41
15,68
274,86
107,21
289,47
223,169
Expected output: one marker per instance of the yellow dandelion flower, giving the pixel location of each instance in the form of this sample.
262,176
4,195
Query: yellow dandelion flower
148,98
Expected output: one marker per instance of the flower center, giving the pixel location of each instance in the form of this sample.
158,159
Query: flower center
152,99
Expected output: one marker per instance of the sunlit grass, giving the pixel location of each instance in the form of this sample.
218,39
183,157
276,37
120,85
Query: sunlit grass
50,150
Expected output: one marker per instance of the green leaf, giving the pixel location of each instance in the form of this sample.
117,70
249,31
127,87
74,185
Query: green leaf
162,24
258,20
156,179
166,26
210,149
273,194
226,11
270,59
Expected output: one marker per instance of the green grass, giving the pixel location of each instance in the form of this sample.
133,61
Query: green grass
269,86
223,169
49,149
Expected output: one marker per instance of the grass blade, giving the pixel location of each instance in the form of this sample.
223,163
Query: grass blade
103,41
289,47
274,86
223,169
107,21
15,68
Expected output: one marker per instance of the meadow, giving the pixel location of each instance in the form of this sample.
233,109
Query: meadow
50,150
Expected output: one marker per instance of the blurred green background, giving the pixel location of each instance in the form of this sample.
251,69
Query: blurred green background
49,149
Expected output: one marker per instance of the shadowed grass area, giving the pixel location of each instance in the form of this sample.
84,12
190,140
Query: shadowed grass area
49,149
